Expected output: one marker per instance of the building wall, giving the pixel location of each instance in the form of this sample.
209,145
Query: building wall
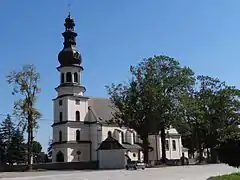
70,152
128,134
73,107
155,142
57,129
56,149
83,148
106,159
96,139
83,128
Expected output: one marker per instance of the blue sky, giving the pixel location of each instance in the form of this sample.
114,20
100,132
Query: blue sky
204,35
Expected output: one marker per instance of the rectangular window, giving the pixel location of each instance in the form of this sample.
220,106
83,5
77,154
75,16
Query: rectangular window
77,101
60,117
167,145
60,102
174,145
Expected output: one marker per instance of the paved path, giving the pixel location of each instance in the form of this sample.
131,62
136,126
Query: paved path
167,173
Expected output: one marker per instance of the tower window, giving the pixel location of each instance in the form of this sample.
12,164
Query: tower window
77,135
62,77
69,77
75,77
122,136
60,116
174,145
60,136
109,134
77,101
167,145
134,138
60,102
77,116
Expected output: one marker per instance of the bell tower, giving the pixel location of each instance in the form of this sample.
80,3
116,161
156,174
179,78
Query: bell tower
70,105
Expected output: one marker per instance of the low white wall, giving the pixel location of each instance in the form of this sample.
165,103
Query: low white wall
111,159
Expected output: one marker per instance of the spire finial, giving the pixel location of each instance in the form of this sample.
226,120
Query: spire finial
69,9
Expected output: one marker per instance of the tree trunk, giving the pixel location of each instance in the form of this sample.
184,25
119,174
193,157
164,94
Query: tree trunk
213,155
145,149
163,143
30,141
200,156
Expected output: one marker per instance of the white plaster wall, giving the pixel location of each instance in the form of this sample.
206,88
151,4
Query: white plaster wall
83,148
170,154
84,131
57,109
75,90
106,159
73,107
128,136
105,130
131,155
174,154
56,130
96,138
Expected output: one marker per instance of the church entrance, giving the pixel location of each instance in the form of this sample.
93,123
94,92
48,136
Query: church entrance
60,157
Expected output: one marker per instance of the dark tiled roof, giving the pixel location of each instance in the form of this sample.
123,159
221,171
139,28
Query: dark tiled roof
110,143
102,108
131,146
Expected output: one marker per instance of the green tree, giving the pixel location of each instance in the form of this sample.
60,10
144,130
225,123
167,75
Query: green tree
36,149
17,148
211,112
147,103
26,84
7,130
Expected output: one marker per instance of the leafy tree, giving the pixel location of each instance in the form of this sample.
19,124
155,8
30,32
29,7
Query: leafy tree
7,130
147,103
17,148
26,84
36,149
228,151
211,112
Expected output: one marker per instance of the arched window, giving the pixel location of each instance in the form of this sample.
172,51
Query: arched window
75,77
122,136
69,77
77,135
77,116
174,145
60,156
134,138
109,134
60,136
62,77
60,116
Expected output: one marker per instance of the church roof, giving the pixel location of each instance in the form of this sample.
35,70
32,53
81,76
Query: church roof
102,108
110,143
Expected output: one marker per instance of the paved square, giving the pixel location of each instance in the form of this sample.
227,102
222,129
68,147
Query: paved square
167,173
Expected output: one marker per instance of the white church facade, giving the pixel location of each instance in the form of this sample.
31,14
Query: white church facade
80,125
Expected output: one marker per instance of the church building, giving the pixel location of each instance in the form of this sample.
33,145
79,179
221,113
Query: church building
79,126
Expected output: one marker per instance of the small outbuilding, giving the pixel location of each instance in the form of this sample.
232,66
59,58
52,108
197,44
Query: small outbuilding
111,154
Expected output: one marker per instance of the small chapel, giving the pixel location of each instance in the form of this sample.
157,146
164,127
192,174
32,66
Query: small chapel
80,130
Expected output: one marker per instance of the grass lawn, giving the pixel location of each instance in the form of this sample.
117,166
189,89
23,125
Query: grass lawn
234,176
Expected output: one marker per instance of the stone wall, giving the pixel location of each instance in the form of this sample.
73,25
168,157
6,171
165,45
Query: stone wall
52,166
